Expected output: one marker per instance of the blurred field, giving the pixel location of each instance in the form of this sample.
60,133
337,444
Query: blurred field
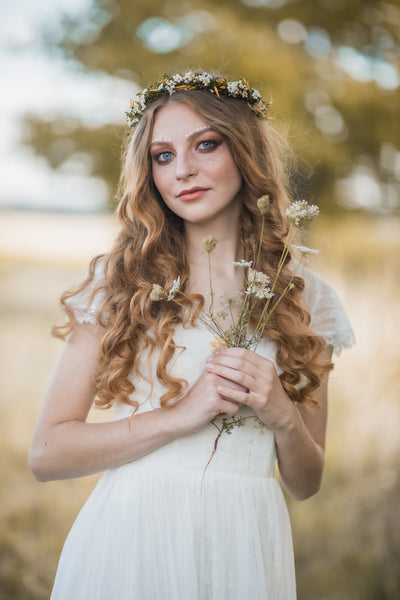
347,538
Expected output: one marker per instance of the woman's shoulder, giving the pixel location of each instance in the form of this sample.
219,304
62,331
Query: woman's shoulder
86,302
328,316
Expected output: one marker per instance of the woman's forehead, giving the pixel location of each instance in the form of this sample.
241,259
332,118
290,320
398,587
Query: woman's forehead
177,119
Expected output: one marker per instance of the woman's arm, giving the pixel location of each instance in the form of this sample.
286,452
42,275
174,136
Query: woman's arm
65,446
300,444
299,433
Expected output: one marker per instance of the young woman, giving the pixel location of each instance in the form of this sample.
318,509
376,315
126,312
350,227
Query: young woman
157,526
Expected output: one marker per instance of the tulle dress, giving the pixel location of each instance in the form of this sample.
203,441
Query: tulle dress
152,530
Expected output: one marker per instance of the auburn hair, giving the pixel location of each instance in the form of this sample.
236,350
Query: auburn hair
150,248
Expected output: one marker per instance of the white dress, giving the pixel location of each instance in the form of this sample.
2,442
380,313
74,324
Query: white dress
152,530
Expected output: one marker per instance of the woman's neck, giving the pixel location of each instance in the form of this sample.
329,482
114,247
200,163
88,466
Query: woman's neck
227,250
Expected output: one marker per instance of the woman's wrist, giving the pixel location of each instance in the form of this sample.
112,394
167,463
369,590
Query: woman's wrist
174,424
290,418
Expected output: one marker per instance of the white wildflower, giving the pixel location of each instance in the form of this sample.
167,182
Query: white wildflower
157,293
257,277
174,289
259,292
177,78
304,251
232,298
243,264
301,214
258,284
223,312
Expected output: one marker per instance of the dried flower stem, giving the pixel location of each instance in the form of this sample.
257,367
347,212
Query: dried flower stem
260,242
211,287
227,425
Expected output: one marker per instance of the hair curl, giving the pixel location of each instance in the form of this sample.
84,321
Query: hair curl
151,248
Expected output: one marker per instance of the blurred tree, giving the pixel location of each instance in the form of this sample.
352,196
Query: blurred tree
332,69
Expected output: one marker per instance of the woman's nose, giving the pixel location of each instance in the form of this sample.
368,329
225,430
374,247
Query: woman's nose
184,166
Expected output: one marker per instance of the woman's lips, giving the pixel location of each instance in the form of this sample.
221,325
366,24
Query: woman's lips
192,194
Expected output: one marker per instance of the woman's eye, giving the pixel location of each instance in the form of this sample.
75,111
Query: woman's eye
163,157
208,145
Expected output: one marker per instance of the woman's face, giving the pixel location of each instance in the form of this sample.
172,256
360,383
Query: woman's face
193,168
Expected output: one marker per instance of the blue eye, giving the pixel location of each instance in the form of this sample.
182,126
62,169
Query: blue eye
163,157
207,145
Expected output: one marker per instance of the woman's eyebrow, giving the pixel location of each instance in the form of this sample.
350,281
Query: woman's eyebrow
161,141
189,137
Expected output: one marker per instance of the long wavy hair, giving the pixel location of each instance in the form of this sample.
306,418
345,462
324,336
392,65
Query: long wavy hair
151,248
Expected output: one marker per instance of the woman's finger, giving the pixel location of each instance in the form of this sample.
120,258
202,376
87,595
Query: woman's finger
240,377
235,396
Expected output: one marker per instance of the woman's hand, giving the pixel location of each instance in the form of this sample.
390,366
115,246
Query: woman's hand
299,433
203,402
261,388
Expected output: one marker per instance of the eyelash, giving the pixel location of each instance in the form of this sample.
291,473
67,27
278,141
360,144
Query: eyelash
214,145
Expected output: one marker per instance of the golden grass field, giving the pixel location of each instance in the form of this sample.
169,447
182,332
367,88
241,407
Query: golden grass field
347,538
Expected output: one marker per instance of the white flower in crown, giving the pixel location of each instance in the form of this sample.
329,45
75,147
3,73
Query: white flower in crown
177,78
188,77
205,78
256,95
170,86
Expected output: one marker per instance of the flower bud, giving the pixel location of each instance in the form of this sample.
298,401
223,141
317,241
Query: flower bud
157,293
209,243
263,204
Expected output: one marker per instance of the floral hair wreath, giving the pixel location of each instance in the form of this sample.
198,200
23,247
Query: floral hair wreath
219,86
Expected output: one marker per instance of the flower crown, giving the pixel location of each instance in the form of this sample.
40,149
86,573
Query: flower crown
219,86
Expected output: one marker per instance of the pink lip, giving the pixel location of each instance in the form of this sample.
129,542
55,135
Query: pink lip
192,194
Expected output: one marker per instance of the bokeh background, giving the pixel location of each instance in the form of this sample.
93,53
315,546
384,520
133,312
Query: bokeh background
68,69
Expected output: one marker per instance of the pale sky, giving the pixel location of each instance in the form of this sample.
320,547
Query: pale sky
33,80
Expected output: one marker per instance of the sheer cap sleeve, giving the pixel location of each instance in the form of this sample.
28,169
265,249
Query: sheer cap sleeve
87,302
328,317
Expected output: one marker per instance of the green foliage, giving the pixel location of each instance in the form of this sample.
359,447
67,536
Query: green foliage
61,140
241,39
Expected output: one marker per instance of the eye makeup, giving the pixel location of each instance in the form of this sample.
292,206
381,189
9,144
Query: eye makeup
198,129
